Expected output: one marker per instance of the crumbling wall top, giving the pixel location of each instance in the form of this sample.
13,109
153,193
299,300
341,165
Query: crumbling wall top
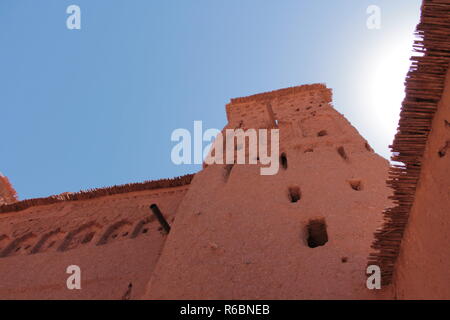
96,193
282,92
263,109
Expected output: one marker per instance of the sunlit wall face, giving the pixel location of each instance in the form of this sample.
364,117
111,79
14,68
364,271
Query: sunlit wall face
96,106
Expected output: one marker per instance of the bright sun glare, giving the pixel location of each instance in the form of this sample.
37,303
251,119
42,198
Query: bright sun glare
387,88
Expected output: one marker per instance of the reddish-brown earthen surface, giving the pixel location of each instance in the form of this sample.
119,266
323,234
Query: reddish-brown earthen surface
114,239
238,235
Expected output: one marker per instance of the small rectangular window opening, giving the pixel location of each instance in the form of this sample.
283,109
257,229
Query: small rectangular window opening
317,233
294,194
283,160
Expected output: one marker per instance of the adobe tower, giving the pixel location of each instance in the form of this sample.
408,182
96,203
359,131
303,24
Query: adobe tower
302,233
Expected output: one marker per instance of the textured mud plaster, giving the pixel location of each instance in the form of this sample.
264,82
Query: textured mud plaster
114,239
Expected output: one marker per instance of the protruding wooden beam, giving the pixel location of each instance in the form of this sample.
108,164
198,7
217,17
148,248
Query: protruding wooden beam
160,217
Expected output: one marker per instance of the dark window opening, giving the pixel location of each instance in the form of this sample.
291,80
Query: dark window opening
294,194
447,124
342,153
344,259
317,233
283,160
227,170
322,133
355,184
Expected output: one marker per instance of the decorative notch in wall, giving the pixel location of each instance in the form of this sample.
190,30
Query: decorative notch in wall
443,151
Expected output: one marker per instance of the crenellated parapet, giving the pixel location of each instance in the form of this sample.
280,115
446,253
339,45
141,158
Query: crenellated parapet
284,92
267,109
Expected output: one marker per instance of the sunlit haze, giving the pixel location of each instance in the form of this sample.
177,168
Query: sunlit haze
96,107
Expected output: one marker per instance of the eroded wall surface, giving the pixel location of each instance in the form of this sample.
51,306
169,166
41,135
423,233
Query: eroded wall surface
115,240
238,235
423,268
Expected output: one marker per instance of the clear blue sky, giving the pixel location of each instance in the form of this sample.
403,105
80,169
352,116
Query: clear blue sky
95,107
